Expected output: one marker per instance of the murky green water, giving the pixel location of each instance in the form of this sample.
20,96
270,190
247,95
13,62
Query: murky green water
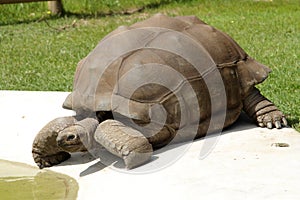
21,181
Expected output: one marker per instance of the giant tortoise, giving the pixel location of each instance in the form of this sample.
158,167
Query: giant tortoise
156,82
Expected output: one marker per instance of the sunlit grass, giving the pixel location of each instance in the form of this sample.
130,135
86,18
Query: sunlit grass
36,55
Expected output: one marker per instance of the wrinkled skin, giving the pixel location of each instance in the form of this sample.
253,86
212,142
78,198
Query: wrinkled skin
79,136
263,111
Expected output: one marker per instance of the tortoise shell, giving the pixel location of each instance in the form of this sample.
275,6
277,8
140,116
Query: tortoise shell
180,68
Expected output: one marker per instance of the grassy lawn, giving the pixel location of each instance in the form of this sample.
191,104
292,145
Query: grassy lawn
39,51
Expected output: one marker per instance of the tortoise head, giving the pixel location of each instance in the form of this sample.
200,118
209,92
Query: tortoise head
73,139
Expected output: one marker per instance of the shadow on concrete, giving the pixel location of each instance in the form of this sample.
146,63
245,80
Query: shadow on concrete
78,159
107,159
242,123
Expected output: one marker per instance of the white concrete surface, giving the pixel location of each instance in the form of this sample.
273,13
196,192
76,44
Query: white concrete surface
242,165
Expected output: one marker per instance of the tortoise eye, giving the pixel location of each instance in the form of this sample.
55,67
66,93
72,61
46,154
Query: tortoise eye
71,137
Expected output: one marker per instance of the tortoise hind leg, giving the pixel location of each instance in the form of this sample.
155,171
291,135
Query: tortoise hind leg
124,142
263,111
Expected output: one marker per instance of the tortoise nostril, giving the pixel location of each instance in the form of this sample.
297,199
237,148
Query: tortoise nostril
71,137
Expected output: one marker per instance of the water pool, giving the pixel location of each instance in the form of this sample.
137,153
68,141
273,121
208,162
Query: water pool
22,181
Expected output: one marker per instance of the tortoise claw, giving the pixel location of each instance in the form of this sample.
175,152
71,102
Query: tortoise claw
285,123
277,124
273,119
267,120
261,124
269,125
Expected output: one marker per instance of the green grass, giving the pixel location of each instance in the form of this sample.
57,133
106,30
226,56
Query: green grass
39,51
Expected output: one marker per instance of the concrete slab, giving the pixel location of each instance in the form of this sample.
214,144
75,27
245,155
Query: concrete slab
245,162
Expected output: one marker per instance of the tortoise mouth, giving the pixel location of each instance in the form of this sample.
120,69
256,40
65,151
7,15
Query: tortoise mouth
73,147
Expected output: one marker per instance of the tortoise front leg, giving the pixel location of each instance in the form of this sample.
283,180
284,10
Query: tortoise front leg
263,111
124,142
45,151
